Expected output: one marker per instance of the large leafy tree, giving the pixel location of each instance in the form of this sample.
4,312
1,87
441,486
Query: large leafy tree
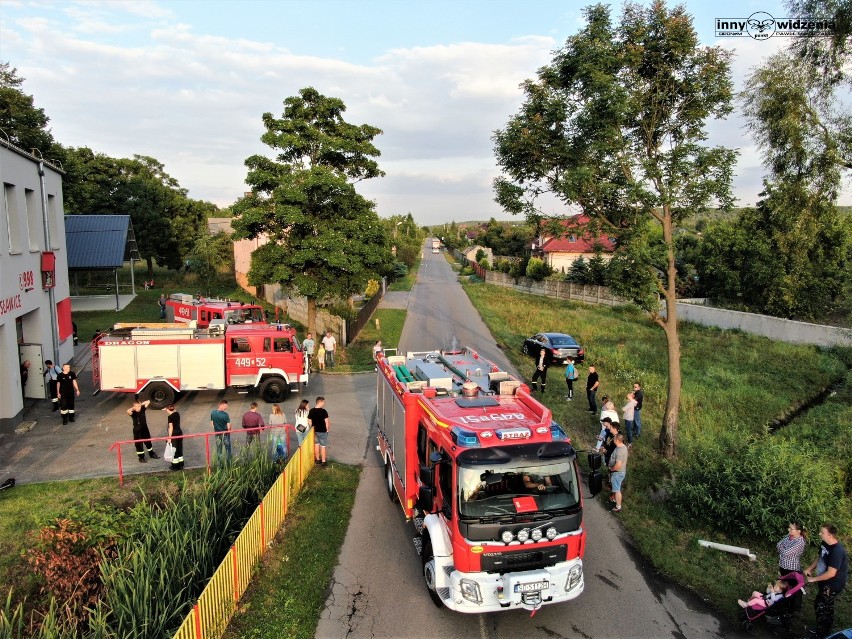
616,124
166,222
325,240
24,124
804,130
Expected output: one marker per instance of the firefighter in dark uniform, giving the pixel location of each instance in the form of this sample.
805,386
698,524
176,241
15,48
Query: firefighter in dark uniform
67,390
175,432
543,362
140,429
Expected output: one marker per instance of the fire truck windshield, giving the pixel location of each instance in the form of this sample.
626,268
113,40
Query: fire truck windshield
240,315
493,492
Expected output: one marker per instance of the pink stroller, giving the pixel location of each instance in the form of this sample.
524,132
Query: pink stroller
779,613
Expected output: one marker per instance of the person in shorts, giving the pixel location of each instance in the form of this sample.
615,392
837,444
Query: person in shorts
318,418
618,470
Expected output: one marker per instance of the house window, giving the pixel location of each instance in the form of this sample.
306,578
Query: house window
33,222
55,240
13,223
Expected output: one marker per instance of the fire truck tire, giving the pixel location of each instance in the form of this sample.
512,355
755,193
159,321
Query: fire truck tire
274,390
389,483
429,576
160,394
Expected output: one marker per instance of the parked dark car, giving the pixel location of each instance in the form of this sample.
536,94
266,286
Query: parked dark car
563,346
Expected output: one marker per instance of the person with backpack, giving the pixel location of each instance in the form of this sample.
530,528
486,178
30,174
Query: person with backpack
571,376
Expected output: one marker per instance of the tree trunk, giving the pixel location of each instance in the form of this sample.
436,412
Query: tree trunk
668,432
312,316
150,262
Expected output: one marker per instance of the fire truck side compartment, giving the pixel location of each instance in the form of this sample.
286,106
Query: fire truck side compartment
392,424
202,365
118,367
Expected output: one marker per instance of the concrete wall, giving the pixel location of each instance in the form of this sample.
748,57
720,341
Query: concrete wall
560,290
775,328
297,309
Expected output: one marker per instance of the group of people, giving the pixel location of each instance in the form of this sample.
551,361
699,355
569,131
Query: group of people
220,421
829,571
63,389
324,352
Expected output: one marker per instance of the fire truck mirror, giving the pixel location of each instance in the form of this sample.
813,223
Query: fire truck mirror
594,461
427,476
426,498
595,482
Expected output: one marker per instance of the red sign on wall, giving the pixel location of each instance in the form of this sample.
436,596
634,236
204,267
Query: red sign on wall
48,270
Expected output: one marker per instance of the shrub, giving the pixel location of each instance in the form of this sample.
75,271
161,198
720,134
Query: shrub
399,271
372,289
754,488
518,268
537,269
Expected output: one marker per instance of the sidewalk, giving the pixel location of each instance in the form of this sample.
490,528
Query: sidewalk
86,303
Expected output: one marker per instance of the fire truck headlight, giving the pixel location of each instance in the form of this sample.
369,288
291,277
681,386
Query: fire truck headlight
574,577
470,591
507,536
536,534
523,535
551,533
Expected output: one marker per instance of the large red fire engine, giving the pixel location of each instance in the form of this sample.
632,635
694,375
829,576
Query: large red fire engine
183,308
489,478
157,361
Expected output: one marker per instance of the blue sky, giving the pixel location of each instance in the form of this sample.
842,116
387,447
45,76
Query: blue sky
187,82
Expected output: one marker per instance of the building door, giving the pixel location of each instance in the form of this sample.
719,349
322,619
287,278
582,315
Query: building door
35,381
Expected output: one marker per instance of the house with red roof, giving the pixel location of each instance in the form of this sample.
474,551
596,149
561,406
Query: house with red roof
560,252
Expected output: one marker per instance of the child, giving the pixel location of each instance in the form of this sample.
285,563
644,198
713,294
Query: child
321,356
774,592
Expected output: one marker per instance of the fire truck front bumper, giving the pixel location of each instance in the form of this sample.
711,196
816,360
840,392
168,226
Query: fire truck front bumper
530,589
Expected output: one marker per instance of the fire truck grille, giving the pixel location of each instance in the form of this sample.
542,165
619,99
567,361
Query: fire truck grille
502,562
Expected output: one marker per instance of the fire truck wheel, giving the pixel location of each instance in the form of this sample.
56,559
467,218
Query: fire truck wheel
160,395
274,390
389,483
429,570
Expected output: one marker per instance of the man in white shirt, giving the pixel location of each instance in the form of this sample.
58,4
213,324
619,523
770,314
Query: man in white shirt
330,345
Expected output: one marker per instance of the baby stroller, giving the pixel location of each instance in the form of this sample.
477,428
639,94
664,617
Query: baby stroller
781,612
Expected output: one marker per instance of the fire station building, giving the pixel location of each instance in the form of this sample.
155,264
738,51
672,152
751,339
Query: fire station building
35,307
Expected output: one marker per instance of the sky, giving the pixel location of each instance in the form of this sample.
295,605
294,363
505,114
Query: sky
187,83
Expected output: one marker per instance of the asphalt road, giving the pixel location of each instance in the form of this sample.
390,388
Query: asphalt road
377,590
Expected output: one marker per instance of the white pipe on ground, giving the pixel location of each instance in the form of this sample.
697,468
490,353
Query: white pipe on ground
726,548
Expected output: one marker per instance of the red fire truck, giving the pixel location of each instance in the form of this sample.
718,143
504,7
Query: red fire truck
183,308
490,480
157,361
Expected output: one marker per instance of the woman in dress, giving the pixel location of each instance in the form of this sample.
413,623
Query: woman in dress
301,419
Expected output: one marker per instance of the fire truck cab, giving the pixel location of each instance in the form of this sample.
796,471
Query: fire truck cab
490,480
183,308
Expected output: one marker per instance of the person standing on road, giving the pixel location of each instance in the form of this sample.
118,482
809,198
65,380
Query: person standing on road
592,384
639,396
140,429
618,469
330,345
543,362
162,304
51,372
321,357
67,390
308,345
221,423
571,376
252,419
832,571
175,439
301,421
318,418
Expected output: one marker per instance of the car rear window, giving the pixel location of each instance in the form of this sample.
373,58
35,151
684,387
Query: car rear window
563,340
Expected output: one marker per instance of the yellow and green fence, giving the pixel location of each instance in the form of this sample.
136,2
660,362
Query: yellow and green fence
219,600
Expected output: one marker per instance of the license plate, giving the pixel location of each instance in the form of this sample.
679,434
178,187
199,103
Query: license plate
536,585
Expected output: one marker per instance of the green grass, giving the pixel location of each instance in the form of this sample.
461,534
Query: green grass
731,382
358,356
26,508
287,596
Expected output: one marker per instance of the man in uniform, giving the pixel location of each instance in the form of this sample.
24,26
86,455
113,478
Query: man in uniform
67,390
140,429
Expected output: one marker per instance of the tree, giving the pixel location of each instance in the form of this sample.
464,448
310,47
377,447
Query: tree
616,125
23,123
325,240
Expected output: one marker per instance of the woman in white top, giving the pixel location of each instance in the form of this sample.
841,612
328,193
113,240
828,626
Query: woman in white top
301,419
607,410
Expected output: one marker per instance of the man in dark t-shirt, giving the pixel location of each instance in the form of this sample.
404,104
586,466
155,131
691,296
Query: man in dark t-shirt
140,429
832,567
639,396
318,417
592,383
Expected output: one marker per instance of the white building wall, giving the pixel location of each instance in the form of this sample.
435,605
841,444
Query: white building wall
26,322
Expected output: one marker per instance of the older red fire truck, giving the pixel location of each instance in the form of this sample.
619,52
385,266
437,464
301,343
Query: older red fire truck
183,308
157,361
489,478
